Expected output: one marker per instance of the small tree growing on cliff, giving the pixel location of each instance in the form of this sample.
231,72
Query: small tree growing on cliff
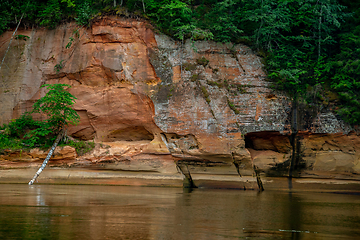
56,105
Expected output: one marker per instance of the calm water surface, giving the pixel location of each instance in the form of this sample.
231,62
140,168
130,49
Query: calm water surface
116,212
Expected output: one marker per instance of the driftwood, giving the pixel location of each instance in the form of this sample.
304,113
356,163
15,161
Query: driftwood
43,165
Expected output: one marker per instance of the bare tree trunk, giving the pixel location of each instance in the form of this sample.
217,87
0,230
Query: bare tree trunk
12,37
143,5
43,165
114,3
319,47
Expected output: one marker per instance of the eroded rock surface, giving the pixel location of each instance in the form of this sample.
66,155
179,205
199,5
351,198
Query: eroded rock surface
151,101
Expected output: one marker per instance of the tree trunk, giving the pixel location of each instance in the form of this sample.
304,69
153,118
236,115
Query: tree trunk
319,44
43,165
12,37
143,5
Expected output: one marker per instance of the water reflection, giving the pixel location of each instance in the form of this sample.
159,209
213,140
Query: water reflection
112,212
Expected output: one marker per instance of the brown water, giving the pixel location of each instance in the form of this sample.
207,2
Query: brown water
115,212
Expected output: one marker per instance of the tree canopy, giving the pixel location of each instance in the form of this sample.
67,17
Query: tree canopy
311,48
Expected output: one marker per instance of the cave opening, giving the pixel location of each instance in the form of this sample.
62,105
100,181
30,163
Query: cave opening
267,140
133,133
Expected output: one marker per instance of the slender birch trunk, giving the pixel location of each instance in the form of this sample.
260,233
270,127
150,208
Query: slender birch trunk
319,44
143,5
12,37
43,165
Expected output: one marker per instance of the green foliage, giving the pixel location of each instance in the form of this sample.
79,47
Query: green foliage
194,77
232,107
60,65
270,20
71,40
218,84
51,14
7,142
189,66
177,19
345,67
56,105
298,47
206,94
22,37
13,135
70,3
17,128
81,147
5,16
241,89
84,13
43,136
26,132
223,21
202,61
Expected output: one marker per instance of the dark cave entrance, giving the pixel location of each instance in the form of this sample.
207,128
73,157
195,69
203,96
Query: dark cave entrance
268,140
133,133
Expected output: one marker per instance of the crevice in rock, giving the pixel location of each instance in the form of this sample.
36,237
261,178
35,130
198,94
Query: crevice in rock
184,170
240,65
205,94
105,76
258,179
182,166
237,164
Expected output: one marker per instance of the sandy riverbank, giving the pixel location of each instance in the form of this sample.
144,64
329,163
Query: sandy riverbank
132,178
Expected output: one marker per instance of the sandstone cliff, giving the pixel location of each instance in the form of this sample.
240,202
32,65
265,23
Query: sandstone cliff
151,102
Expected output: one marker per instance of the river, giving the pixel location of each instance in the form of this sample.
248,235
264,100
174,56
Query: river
120,212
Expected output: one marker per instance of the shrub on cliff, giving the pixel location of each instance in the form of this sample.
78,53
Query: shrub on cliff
13,135
26,132
56,105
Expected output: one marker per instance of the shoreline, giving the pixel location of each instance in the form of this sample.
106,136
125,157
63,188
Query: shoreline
78,176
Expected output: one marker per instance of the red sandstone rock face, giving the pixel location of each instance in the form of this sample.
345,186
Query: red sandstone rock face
18,158
153,100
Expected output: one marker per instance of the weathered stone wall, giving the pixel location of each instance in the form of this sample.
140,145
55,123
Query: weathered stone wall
151,100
